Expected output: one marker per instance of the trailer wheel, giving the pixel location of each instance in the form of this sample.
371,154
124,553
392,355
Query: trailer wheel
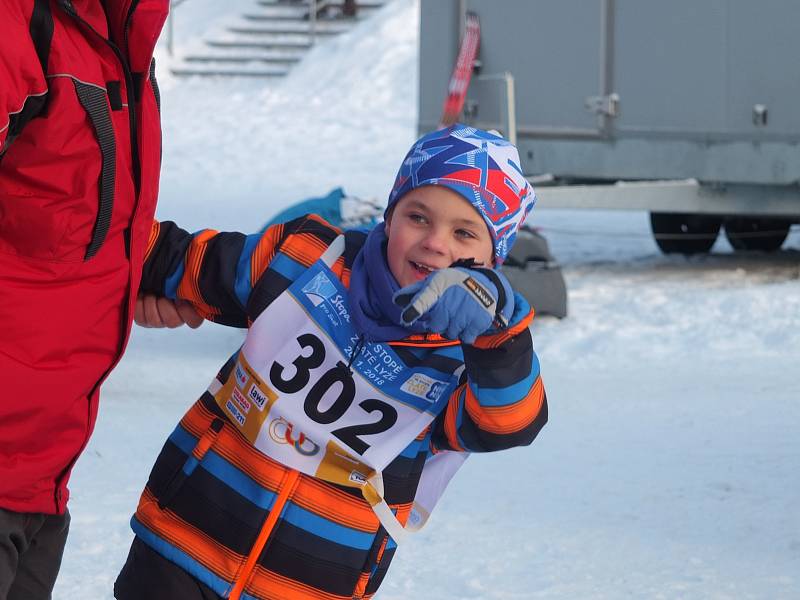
683,233
754,233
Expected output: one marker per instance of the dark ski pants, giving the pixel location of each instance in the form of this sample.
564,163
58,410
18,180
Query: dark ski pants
31,547
147,575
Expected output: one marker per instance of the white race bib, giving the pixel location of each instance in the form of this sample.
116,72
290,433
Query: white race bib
307,393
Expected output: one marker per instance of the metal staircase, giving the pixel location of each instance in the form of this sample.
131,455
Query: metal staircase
269,39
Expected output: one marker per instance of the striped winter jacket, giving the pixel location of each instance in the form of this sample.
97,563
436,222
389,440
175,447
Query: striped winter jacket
249,527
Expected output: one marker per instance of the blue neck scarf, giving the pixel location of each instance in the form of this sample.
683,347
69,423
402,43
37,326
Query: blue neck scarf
372,286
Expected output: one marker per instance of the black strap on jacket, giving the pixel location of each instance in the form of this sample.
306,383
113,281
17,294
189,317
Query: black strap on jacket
42,31
93,99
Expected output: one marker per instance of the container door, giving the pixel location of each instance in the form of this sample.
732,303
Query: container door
553,48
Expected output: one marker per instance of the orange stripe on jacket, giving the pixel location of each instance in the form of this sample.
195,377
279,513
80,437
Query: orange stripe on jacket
425,339
155,229
510,418
318,219
310,494
189,287
200,546
361,585
335,505
498,339
341,271
403,511
264,252
305,248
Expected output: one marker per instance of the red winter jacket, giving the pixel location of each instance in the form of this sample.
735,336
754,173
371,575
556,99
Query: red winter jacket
80,149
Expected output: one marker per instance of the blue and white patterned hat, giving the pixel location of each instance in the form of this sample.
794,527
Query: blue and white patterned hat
482,167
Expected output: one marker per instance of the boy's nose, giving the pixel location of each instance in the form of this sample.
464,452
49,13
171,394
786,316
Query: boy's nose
436,242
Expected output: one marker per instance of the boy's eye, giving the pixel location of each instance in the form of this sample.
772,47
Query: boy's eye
416,218
464,234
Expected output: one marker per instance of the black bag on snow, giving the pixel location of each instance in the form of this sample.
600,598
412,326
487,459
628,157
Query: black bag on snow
535,274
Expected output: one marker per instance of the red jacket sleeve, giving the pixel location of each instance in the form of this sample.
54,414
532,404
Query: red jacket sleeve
23,88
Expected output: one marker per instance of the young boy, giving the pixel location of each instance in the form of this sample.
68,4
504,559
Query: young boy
374,363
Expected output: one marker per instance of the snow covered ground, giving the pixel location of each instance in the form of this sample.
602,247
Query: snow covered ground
671,464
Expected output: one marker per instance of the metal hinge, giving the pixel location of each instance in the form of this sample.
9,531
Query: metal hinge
603,105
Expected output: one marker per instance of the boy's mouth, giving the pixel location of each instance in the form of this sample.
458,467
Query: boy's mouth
423,270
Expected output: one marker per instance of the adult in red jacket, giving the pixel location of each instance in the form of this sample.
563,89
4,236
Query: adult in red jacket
80,149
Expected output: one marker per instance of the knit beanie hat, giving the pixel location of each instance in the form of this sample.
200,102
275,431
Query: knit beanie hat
482,167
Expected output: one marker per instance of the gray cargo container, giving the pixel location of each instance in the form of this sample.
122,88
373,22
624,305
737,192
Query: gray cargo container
694,106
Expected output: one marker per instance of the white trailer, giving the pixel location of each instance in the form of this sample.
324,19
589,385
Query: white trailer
689,110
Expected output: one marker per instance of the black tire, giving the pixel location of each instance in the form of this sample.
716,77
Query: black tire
683,233
756,233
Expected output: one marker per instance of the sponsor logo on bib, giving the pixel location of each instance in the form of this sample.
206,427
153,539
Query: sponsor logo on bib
241,376
319,289
358,478
243,402
235,412
323,294
422,386
257,396
282,432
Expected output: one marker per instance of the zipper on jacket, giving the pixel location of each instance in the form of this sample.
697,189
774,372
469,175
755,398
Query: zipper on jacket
129,84
137,167
264,534
69,8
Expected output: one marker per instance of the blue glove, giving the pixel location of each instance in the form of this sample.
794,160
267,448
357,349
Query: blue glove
457,302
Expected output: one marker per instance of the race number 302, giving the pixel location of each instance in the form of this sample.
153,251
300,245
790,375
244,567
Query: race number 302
307,379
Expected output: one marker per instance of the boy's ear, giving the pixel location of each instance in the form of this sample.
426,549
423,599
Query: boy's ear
388,221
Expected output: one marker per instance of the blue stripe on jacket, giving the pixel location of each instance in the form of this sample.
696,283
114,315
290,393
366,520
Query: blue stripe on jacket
180,558
286,266
263,498
242,284
506,396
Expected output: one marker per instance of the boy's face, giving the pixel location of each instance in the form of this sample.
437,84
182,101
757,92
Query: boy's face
430,228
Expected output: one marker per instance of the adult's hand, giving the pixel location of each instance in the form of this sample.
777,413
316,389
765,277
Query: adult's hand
157,311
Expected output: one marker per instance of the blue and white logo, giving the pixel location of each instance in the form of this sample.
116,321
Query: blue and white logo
422,386
241,376
319,289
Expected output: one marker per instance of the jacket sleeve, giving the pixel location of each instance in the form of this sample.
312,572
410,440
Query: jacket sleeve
23,88
501,402
231,277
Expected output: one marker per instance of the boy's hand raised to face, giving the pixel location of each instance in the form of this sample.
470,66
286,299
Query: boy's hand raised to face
458,302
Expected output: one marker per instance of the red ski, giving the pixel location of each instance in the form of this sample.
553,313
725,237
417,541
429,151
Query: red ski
462,73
